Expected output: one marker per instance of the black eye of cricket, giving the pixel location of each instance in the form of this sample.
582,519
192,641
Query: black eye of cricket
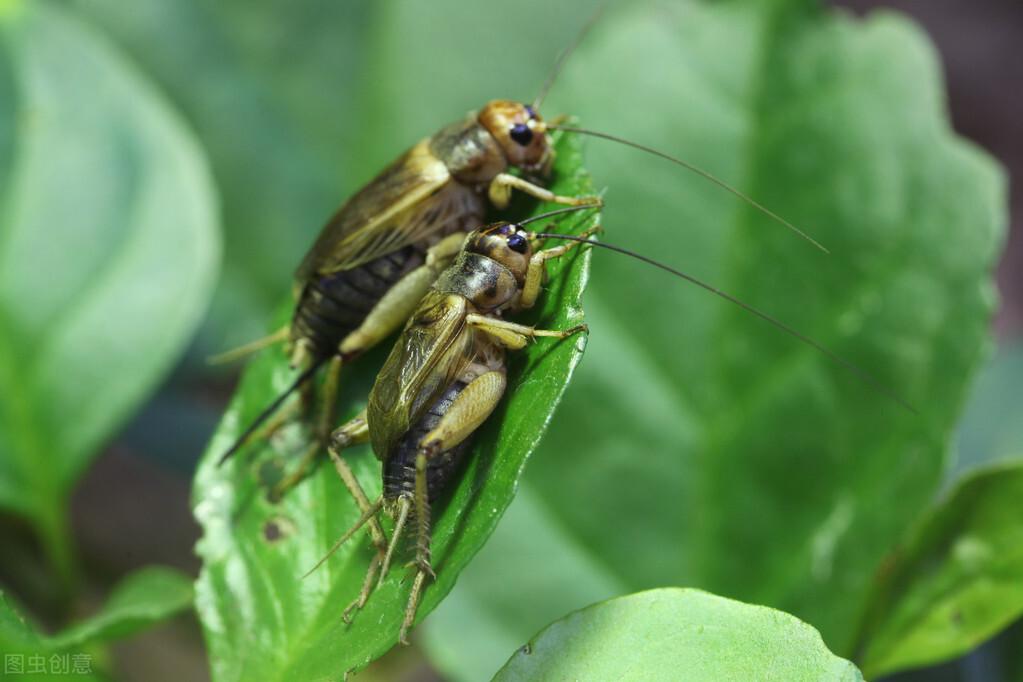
505,229
517,243
521,133
530,112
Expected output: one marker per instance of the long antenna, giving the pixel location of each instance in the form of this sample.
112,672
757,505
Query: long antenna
862,374
565,54
269,410
695,169
559,211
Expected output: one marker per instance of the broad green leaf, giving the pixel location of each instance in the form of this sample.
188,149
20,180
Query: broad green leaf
108,253
272,91
956,581
698,445
141,600
258,613
677,634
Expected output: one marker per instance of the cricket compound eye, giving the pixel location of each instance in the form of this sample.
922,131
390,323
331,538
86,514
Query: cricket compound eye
517,243
521,133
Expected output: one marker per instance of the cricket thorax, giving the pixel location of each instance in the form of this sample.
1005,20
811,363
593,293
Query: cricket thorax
470,152
486,283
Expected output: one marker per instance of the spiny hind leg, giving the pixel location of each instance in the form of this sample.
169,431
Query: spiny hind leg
356,432
465,415
500,189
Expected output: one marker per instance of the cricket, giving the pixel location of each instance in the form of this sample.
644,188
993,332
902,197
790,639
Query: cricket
380,253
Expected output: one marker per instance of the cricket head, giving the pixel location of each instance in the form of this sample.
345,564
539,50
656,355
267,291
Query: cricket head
520,133
506,243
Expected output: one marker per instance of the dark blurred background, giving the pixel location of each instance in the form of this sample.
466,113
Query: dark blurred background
132,508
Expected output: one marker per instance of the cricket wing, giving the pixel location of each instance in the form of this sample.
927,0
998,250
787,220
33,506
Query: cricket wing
411,199
433,350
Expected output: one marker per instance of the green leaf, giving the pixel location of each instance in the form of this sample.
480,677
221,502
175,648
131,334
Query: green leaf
258,613
141,600
698,445
677,634
275,98
108,253
991,430
956,581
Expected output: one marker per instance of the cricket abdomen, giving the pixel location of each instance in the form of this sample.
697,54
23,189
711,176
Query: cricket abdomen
400,468
334,305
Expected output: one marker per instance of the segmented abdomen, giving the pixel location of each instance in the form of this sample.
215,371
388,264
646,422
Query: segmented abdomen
332,306
400,469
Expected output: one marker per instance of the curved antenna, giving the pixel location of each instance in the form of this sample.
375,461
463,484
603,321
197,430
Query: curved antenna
269,410
558,211
695,169
863,375
563,57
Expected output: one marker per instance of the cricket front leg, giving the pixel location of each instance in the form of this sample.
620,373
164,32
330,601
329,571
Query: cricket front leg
515,336
466,414
499,192
537,268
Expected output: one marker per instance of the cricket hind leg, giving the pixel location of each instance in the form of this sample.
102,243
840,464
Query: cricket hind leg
356,432
465,414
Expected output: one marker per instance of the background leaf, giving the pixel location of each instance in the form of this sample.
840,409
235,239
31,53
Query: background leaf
258,614
673,634
697,445
991,430
273,92
680,460
108,252
141,600
956,581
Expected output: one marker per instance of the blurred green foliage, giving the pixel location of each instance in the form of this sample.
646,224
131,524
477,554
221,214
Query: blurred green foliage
955,582
143,598
108,255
